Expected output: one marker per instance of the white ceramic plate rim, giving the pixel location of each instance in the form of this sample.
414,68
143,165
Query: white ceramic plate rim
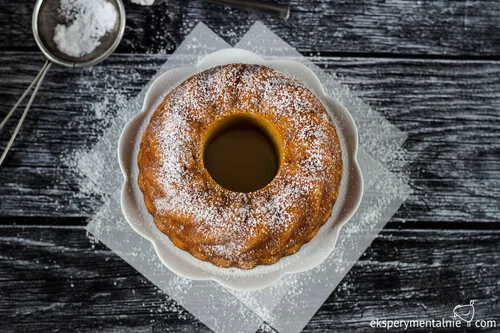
184,264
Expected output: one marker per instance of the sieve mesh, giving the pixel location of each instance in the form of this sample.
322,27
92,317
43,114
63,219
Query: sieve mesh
45,21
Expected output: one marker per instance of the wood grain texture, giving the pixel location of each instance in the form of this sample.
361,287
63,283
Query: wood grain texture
60,279
450,110
416,275
437,27
56,278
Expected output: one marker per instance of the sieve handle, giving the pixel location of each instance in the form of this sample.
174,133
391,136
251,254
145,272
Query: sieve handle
257,6
36,83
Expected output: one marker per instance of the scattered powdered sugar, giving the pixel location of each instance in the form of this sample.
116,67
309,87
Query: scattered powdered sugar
87,21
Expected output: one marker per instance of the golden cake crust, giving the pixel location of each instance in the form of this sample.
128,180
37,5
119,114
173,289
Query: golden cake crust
233,229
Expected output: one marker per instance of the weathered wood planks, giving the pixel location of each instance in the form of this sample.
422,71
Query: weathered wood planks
57,278
389,27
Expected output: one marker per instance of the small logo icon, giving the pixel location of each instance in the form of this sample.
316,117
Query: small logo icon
464,312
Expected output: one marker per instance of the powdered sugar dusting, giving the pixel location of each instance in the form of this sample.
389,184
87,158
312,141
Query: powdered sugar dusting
230,225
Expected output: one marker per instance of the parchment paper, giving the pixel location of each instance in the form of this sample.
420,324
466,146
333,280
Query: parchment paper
289,304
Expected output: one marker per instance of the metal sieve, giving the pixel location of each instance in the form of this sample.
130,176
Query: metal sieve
45,18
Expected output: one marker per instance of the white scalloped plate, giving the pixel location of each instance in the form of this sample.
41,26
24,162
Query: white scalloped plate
181,262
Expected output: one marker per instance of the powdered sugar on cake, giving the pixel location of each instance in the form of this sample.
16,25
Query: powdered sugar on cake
230,224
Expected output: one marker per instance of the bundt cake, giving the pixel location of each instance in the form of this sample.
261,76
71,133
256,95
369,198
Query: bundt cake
232,227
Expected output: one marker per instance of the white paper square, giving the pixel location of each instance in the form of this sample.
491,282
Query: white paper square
289,304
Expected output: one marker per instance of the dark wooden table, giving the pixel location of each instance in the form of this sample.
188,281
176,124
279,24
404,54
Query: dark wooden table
431,67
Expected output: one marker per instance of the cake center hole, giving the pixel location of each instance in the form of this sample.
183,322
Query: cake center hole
241,156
